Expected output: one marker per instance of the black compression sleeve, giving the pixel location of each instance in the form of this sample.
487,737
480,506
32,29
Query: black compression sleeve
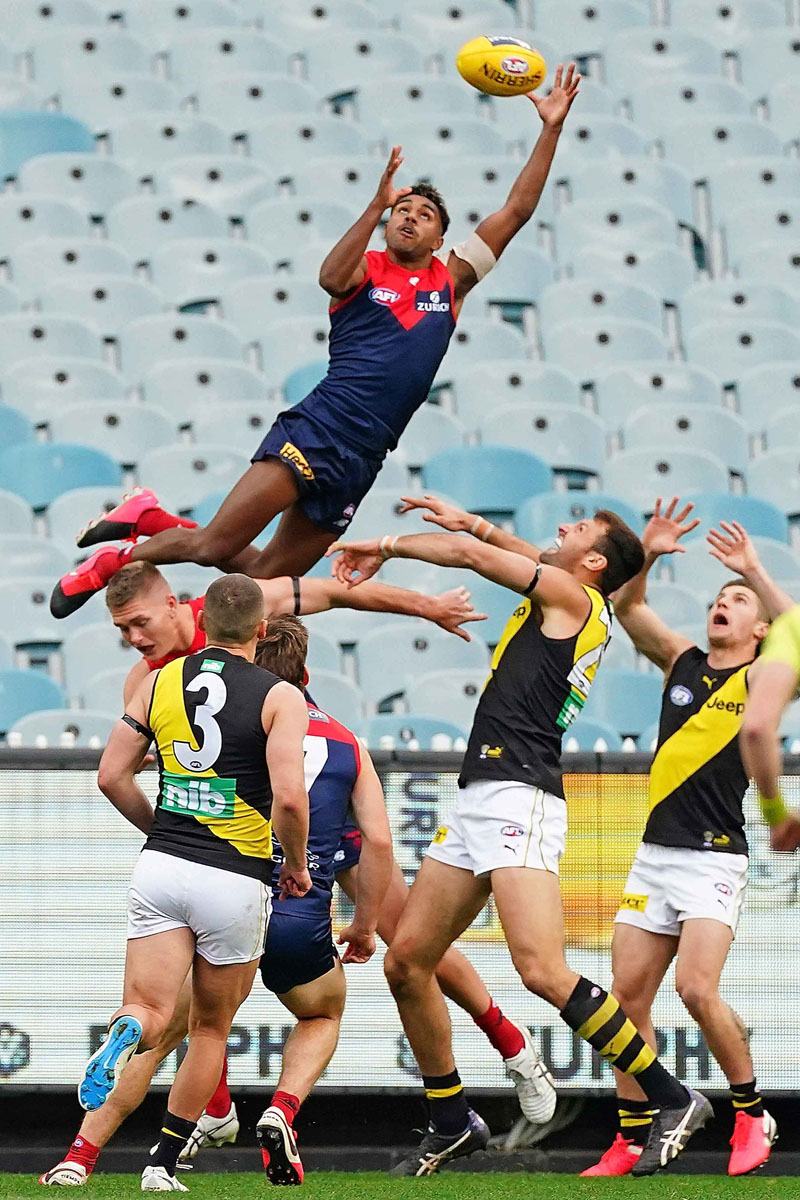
138,727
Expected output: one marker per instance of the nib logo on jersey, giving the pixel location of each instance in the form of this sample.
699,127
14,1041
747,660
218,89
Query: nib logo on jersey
202,797
431,302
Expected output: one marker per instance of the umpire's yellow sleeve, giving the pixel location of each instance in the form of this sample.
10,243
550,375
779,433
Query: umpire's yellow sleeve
782,643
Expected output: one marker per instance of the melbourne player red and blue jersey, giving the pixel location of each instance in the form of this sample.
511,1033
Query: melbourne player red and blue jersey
386,343
332,763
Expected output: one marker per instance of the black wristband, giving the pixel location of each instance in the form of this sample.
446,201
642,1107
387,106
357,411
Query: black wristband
138,727
296,589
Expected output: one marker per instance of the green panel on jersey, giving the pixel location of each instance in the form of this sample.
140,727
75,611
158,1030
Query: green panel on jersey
212,664
198,797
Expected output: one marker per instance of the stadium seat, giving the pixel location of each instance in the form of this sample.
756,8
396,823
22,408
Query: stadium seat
241,426
58,727
699,570
449,135
323,653
187,473
286,344
285,144
6,656
636,54
379,514
775,178
430,430
391,657
632,179
782,428
766,55
235,100
93,182
25,613
510,383
680,96
45,260
306,24
35,215
455,692
279,224
775,476
783,102
304,258
345,178
620,654
342,61
586,222
676,604
105,689
102,100
182,335
125,431
198,54
596,136
23,20
159,23
196,270
648,739
339,696
723,298
585,734
692,427
9,299
40,387
229,184
497,602
24,135
30,335
406,731
413,95
145,141
583,30
264,299
759,517
300,382
640,475
700,143
63,53
580,299
181,386
71,512
727,23
447,26
587,346
16,94
477,339
15,514
620,391
91,650
106,302
732,346
769,221
15,427
41,471
26,554
142,224
487,479
23,692
538,519
571,440
628,700
667,270
187,580
772,262
518,280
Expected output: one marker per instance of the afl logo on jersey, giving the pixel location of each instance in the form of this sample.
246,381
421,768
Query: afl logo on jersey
383,295
514,66
680,695
431,302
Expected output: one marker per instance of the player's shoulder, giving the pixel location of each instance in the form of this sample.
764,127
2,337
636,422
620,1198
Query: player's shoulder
782,643
322,724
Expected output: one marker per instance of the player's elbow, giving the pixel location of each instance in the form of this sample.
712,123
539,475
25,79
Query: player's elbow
332,282
109,779
755,730
379,843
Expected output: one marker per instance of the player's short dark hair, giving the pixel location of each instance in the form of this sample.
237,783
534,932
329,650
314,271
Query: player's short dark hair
283,649
742,583
130,581
429,192
232,610
622,548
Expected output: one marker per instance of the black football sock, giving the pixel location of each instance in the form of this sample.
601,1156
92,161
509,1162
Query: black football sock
175,1133
635,1119
747,1099
447,1103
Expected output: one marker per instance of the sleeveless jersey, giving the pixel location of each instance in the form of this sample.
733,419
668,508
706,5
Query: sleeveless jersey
332,764
386,343
198,641
536,689
214,796
698,780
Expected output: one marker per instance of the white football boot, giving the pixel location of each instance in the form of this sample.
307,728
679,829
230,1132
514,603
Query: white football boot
210,1131
534,1084
158,1179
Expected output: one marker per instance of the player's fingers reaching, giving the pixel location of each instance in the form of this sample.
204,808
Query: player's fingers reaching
559,76
684,529
670,509
657,509
684,513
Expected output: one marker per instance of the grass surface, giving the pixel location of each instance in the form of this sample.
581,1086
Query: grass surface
335,1186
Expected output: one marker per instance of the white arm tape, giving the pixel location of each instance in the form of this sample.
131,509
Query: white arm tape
475,252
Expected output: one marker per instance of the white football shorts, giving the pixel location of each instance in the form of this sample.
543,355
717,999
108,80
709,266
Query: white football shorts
671,884
502,824
227,913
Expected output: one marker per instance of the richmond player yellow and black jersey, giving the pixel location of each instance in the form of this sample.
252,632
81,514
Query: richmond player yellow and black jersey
536,689
214,798
782,643
698,780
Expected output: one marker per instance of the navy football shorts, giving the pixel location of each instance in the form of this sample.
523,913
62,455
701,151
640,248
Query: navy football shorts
332,478
299,948
349,851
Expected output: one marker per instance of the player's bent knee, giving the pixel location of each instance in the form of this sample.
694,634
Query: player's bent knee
697,995
402,973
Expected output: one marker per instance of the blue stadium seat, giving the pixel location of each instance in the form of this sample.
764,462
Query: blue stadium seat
477,339
447,26
25,613
400,729
497,602
588,346
643,474
620,391
103,100
195,270
620,654
70,512
303,259
632,179
413,95
628,700
782,428
286,344
700,143
494,479
448,136
188,473
159,23
699,570
667,270
40,387
770,221
198,54
59,726
660,104
126,431
33,215
23,692
300,382
30,335
737,298
187,580
648,739
142,224
15,514
783,101
759,517
41,471
237,99
23,135
323,653
584,30
766,55
6,655
307,24
775,178
264,298
600,297
93,182
105,689
15,427
277,224
596,136
145,141
178,335
285,144
727,23
23,20
15,93
45,260
430,430
571,440
511,383
379,514
636,54
87,652
538,519
587,734
26,554
676,604
455,692
240,426
182,385
772,262
518,279
107,302
732,346
692,427
341,62
227,183
391,657
586,222
345,178
59,54
339,696
775,476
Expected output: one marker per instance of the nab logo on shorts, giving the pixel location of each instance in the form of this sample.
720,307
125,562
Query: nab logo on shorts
680,695
431,302
383,295
298,460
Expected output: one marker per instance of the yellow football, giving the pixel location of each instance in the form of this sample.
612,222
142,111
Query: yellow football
501,66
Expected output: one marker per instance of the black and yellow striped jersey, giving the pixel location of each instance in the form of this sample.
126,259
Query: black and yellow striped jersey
536,689
698,780
214,798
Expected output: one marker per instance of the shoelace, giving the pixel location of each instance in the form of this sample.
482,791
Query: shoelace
672,1139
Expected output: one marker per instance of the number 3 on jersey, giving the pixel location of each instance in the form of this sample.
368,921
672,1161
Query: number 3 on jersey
208,753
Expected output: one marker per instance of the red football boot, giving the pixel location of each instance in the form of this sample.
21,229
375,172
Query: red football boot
138,514
75,588
619,1159
751,1142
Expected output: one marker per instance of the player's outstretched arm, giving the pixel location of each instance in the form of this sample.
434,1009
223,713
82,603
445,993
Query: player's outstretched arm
449,516
375,864
123,758
345,267
646,630
734,548
771,686
284,718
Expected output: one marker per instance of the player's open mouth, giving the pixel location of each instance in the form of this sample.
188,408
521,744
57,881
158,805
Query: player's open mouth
146,651
406,231
719,619
558,542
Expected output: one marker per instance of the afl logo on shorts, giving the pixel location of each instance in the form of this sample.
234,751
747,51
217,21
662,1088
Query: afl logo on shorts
385,296
512,831
680,695
725,888
514,66
431,302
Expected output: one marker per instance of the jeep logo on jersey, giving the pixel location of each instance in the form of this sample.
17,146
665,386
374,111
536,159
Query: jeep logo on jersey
514,65
198,797
431,302
383,295
680,695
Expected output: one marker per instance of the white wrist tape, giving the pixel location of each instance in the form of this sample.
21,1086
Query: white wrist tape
475,252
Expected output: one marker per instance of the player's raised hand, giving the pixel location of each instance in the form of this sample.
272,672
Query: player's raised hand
664,530
733,547
554,107
440,512
360,944
452,609
293,883
357,561
785,836
387,194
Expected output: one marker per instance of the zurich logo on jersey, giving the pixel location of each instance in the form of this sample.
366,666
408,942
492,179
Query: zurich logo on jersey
680,695
383,295
316,715
431,302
